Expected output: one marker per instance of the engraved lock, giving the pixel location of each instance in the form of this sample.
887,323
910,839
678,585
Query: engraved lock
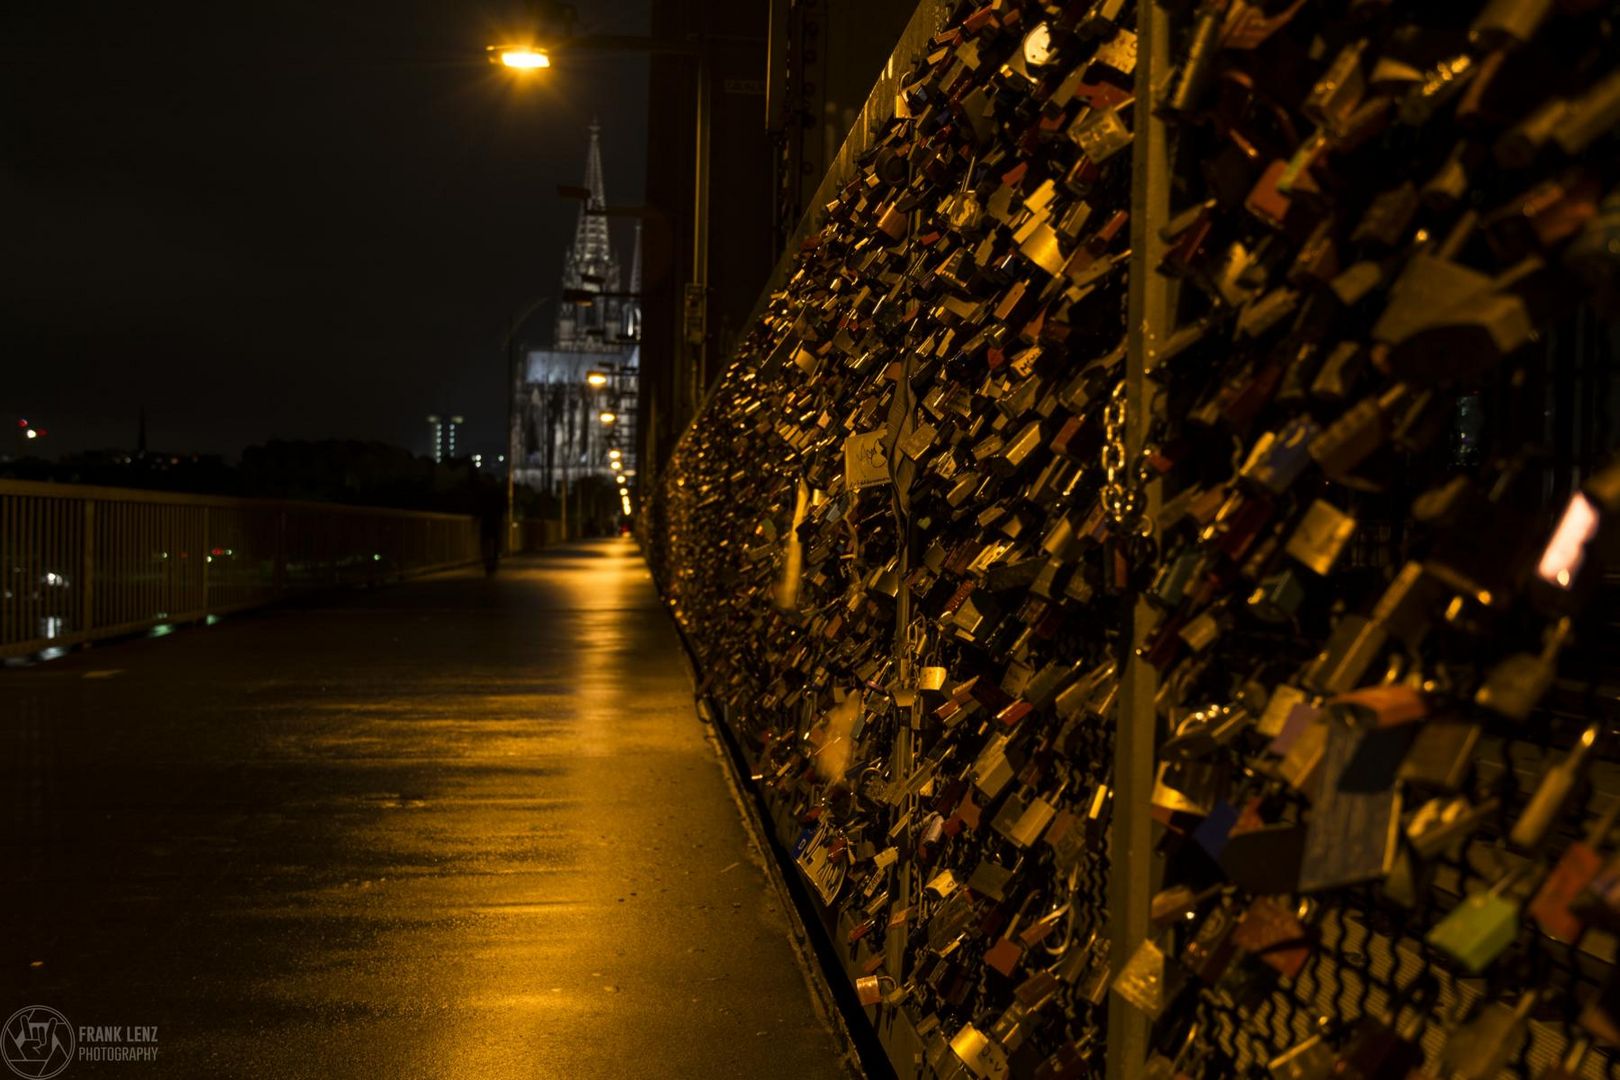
1321,537
983,1056
1480,928
1351,834
1146,982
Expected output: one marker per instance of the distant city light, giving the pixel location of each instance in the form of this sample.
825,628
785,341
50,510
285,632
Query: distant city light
31,433
607,418
615,454
596,378
617,466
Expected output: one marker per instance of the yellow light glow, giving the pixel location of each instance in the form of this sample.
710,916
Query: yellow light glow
617,466
607,418
524,59
596,378
614,454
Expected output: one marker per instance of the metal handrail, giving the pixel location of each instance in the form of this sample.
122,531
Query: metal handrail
80,563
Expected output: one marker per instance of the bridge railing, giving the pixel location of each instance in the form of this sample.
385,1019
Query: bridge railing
79,563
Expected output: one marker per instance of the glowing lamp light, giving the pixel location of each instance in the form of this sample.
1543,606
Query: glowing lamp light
31,434
521,58
615,454
616,466
607,418
596,378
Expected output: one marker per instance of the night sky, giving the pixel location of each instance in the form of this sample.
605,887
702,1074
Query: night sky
298,219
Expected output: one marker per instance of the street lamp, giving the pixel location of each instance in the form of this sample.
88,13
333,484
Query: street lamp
607,417
596,378
521,57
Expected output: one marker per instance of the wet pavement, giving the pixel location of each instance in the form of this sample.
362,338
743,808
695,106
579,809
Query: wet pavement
453,828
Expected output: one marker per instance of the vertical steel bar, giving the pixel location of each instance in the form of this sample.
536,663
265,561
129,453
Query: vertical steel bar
7,604
87,569
205,602
1131,870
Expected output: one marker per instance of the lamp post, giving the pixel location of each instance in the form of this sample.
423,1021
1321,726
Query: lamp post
514,420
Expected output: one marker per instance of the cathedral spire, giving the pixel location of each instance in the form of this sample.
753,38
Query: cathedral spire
592,244
591,265
593,166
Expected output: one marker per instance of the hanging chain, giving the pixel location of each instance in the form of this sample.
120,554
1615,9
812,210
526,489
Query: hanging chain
1123,495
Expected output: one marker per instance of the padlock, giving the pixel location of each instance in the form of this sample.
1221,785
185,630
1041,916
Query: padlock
1563,904
1515,686
1480,927
1351,835
1481,1048
1547,803
1321,537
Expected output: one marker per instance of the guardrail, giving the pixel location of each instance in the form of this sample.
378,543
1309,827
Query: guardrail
79,563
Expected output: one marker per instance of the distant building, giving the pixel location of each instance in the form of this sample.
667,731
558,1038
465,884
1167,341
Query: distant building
592,368
442,436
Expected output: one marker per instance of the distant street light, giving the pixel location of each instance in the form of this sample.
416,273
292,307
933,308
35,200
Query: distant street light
596,378
607,418
522,57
